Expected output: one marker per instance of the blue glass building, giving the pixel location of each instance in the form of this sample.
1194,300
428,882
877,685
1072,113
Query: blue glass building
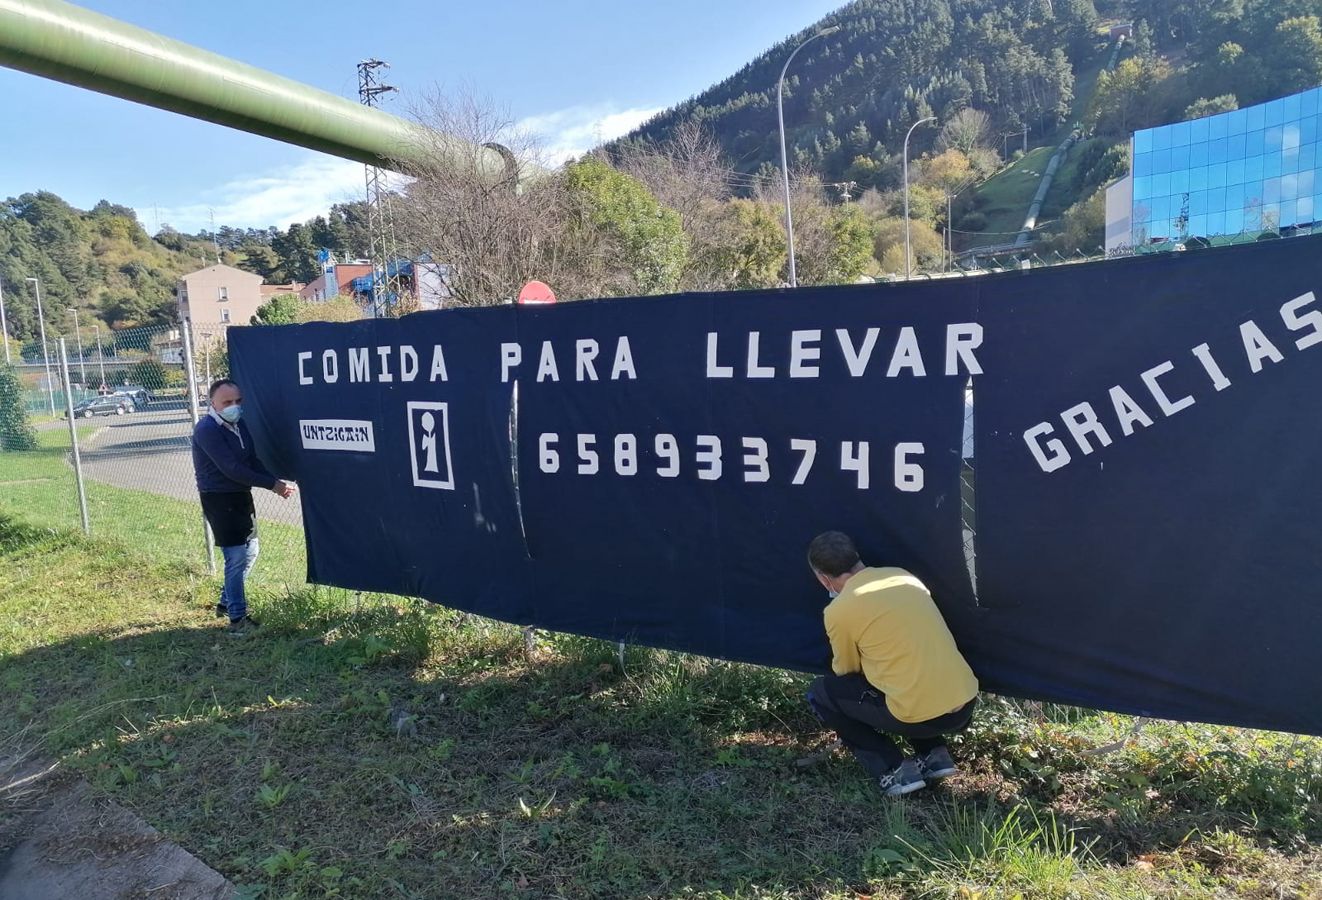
1247,172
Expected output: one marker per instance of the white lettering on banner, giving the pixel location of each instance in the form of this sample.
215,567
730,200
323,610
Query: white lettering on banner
438,372
586,351
801,354
511,355
1204,355
961,340
907,355
857,359
408,363
1295,322
587,358
754,369
337,434
360,364
1163,402
1127,411
1257,346
1084,424
714,370
547,367
707,453
623,361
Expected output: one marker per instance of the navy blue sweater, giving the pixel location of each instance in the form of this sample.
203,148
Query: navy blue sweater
225,462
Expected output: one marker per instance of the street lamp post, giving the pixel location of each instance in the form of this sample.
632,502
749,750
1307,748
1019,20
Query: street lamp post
4,326
77,333
45,353
100,357
784,159
908,266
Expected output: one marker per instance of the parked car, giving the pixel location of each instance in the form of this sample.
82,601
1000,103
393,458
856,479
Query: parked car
140,396
113,405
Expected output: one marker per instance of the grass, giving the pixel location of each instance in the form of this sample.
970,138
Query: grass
40,487
1005,197
378,747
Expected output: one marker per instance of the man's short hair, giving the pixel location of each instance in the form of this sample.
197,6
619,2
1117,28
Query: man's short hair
218,384
832,553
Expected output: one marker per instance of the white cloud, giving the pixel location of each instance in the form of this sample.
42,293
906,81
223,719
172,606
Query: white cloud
278,197
573,131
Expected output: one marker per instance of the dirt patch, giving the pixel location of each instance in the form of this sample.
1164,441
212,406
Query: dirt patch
58,840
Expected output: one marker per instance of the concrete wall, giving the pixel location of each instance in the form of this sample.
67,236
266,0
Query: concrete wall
1120,214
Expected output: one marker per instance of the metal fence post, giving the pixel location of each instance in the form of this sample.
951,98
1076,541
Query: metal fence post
73,437
190,368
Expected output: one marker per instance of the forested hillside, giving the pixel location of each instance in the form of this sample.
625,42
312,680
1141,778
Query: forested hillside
850,96
103,262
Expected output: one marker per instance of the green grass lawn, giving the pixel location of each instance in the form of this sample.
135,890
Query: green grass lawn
378,747
1005,197
40,486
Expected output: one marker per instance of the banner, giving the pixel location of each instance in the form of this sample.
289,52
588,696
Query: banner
652,469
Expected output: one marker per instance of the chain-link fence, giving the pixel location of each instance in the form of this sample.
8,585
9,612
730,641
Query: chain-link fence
134,405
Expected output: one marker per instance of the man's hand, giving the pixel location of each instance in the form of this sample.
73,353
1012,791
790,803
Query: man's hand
285,488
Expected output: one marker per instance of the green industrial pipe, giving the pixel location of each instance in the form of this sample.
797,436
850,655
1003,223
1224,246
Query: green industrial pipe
67,43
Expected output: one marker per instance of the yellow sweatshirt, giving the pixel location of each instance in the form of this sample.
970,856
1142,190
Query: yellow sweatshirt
886,625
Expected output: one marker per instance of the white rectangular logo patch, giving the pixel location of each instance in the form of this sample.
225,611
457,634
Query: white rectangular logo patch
337,434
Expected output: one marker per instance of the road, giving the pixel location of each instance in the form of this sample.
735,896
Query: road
149,451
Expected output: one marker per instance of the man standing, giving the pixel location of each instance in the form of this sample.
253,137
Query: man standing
896,669
227,470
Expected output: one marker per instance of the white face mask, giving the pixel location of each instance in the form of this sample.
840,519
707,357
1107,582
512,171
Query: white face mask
833,594
231,414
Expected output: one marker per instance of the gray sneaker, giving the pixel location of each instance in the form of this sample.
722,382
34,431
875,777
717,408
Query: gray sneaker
242,627
905,778
938,764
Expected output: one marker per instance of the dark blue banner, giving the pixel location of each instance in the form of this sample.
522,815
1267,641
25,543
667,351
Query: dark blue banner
652,469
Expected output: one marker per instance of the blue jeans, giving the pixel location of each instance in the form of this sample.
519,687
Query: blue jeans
239,561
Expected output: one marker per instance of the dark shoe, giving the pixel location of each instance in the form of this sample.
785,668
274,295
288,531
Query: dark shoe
938,764
222,611
242,627
905,778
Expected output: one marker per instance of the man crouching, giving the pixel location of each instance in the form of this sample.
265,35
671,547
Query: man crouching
896,669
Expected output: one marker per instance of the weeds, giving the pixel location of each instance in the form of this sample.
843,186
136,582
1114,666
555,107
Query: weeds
281,762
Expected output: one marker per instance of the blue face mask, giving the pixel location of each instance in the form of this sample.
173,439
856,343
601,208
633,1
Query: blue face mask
231,414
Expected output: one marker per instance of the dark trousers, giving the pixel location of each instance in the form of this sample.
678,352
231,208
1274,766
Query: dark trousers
857,712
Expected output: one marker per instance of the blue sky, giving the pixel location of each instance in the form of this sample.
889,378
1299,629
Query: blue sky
571,70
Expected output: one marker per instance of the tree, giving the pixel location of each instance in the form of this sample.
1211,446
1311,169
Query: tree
642,248
469,215
851,244
16,432
282,309
1083,227
1210,106
148,373
924,243
337,309
748,250
1127,98
1296,60
965,131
